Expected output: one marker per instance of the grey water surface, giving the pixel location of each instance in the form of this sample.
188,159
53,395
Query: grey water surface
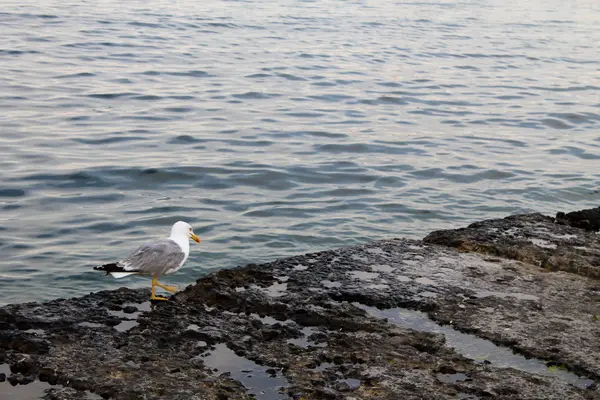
281,127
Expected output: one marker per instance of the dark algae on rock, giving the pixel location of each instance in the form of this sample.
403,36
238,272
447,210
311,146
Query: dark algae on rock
584,219
503,309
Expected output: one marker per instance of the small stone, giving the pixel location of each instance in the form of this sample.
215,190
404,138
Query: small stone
446,369
19,379
48,375
24,365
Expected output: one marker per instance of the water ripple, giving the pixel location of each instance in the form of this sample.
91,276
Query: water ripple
282,128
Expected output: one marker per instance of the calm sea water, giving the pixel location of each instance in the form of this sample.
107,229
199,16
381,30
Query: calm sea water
281,127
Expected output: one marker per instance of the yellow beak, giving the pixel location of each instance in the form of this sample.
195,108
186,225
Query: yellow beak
195,238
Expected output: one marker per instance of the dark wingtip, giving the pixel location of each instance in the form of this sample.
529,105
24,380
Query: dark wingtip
108,268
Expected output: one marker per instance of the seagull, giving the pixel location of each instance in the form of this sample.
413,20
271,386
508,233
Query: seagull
158,258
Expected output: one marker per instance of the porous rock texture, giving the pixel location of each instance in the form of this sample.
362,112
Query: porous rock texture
303,325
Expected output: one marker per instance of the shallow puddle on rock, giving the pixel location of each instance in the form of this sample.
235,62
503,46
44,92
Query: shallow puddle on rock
472,346
90,325
5,369
452,378
132,364
351,383
584,248
145,306
363,275
381,268
275,290
33,390
39,332
511,232
518,296
268,320
255,378
564,236
403,278
543,243
123,315
300,267
322,367
126,325
330,284
304,341
381,286
129,319
375,250
425,281
357,257
141,307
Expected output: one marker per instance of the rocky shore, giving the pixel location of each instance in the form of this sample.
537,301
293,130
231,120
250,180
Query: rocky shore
503,309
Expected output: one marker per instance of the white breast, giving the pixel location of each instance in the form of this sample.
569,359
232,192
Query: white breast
184,243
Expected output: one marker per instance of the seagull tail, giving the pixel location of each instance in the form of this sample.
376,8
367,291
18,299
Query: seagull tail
115,270
118,275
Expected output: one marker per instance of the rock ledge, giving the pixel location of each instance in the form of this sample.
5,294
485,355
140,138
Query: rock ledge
501,309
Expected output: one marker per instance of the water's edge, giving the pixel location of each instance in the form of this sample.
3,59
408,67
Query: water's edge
306,325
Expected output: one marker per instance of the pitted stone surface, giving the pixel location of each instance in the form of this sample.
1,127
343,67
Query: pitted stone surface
533,238
299,324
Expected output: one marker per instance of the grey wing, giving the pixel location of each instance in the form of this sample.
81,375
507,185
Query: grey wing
154,258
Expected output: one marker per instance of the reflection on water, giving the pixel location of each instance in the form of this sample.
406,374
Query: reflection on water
254,377
35,389
281,128
473,347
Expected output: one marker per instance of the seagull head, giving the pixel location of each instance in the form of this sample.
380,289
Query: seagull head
183,229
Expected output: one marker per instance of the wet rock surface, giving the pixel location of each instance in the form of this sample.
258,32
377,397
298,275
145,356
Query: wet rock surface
534,239
433,319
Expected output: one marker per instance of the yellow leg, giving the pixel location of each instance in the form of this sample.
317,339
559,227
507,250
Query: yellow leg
172,289
155,297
